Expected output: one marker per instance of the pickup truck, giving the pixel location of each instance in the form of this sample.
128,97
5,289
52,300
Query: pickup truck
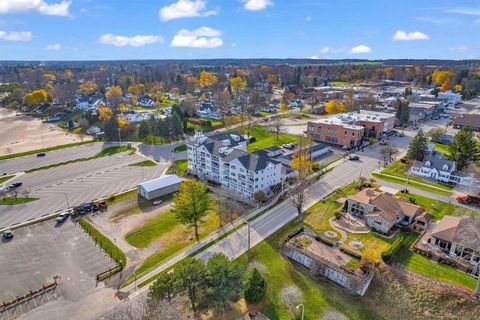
470,200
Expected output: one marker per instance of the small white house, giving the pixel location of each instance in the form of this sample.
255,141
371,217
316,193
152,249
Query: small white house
94,130
146,102
452,97
441,170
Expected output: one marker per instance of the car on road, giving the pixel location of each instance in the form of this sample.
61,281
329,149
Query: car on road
289,146
41,154
346,148
383,143
436,118
354,157
14,185
8,234
62,217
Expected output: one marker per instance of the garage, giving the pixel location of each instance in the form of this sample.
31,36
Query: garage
159,187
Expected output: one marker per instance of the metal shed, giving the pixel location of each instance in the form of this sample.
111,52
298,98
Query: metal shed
159,187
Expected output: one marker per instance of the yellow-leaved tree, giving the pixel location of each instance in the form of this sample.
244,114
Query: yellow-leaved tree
334,106
447,85
458,88
88,87
104,113
207,79
283,106
122,122
114,96
49,77
440,76
36,97
237,84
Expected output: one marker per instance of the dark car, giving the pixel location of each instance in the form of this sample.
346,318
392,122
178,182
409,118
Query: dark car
8,234
354,158
41,154
14,185
62,217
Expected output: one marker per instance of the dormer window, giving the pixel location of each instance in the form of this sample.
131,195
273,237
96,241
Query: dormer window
445,167
428,163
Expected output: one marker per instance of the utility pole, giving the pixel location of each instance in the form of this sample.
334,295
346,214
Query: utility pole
66,198
303,309
119,136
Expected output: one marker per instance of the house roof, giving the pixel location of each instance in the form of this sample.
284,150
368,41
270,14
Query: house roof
460,230
366,195
470,120
435,163
159,183
250,161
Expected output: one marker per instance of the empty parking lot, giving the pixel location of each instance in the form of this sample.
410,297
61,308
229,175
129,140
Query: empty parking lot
43,251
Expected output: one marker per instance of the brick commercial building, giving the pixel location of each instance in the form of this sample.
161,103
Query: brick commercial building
467,120
350,129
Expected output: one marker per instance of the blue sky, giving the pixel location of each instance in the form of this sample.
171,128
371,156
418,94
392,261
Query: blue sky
187,29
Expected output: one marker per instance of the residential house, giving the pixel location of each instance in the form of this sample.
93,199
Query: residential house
93,130
88,102
467,120
146,102
441,170
452,97
222,158
458,238
382,211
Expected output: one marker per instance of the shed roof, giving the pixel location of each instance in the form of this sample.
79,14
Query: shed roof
159,183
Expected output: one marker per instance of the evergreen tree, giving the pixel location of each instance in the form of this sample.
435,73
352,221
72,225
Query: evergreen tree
190,275
403,112
224,282
168,127
255,287
111,129
143,130
165,287
177,125
162,129
417,147
463,148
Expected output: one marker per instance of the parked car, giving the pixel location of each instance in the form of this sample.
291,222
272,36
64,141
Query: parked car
102,206
346,148
383,143
8,234
157,202
470,200
436,118
14,185
289,146
62,217
41,154
354,157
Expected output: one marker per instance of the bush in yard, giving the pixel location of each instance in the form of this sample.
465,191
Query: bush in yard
390,252
338,215
259,196
315,166
255,287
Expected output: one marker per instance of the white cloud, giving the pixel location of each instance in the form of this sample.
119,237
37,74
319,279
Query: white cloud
203,37
186,9
40,6
360,49
257,5
16,36
53,47
401,35
466,11
328,49
460,49
135,41
313,58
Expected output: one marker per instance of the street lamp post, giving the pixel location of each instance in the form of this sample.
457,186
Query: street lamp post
303,309
66,198
119,137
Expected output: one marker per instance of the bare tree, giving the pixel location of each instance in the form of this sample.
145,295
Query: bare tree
144,309
277,125
389,152
301,162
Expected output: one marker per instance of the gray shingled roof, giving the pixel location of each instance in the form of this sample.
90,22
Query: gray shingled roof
435,163
468,233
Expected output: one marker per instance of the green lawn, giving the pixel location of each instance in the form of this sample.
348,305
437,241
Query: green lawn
173,236
110,248
438,208
399,169
338,83
443,148
267,139
412,184
12,201
27,153
180,167
105,152
318,296
146,163
181,148
426,267
5,178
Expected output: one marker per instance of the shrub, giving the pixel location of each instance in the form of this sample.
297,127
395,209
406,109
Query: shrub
338,215
255,287
316,166
390,252
351,253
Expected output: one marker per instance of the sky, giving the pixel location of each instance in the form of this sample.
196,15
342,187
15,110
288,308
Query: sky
189,29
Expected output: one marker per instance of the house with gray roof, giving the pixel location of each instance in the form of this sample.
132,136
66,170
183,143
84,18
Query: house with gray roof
441,170
223,159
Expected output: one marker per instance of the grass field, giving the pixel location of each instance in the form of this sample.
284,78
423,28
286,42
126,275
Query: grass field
105,152
173,238
399,169
180,167
413,184
146,163
181,148
12,201
5,178
27,153
438,208
266,139
426,267
110,248
318,296
443,148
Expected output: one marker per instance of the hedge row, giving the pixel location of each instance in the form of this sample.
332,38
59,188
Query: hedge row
396,245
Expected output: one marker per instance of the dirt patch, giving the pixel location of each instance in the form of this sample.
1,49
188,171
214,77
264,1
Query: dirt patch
255,264
333,315
406,297
291,296
23,133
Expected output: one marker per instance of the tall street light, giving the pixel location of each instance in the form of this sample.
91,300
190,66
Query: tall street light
303,309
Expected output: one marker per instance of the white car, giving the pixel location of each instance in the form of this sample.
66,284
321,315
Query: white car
157,202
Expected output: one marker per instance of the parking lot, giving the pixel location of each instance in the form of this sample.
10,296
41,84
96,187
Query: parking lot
37,254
